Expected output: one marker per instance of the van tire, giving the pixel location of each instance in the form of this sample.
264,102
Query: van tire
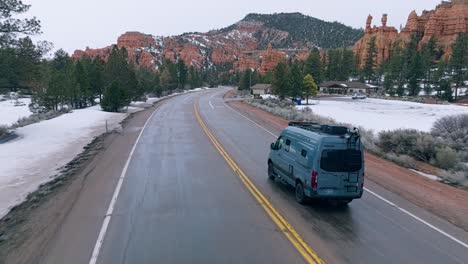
343,203
300,195
271,171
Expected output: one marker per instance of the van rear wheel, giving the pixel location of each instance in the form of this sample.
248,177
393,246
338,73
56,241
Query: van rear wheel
271,171
300,195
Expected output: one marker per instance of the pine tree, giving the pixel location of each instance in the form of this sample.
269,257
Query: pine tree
438,77
295,81
11,27
245,82
459,62
310,87
428,59
182,74
96,77
114,98
166,79
415,72
369,65
280,82
313,65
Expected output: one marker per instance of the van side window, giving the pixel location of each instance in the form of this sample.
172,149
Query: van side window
304,153
288,145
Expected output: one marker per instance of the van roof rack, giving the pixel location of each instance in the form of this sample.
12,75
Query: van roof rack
325,129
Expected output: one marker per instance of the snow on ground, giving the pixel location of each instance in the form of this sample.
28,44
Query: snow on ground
268,96
429,176
44,147
9,113
379,114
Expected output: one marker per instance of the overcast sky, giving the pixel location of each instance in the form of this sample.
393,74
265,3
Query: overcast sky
97,23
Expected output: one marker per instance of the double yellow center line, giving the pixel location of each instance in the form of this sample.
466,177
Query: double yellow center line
309,255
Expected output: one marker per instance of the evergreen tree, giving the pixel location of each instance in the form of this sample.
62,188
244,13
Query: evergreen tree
459,62
182,74
114,98
347,65
370,62
11,27
428,61
96,77
415,72
446,90
438,77
166,80
245,81
295,81
313,65
310,87
280,82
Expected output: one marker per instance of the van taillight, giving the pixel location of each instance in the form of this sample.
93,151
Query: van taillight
362,184
313,180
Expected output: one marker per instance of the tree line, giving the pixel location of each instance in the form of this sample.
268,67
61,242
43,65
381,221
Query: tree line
409,70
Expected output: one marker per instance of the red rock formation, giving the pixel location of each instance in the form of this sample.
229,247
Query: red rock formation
270,59
444,24
384,38
93,53
237,46
134,40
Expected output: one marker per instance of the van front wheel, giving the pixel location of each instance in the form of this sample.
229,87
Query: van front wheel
300,195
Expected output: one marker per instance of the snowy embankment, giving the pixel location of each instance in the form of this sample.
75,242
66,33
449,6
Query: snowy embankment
9,113
379,115
42,148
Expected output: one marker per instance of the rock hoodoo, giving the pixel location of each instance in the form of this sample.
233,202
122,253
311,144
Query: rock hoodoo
444,24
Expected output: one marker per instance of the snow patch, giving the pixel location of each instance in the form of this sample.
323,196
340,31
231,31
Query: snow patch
9,113
42,148
429,176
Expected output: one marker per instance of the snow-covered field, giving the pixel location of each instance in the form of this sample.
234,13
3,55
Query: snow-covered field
378,114
9,113
42,148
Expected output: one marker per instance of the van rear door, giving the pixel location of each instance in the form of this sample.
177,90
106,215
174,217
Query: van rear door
339,172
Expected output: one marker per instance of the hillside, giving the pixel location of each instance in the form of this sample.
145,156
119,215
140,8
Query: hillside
308,31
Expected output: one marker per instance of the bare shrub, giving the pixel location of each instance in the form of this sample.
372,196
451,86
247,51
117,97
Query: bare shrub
446,158
402,160
417,144
448,124
38,117
3,130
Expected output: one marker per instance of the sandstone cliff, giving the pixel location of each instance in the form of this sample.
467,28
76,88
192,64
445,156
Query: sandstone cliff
444,24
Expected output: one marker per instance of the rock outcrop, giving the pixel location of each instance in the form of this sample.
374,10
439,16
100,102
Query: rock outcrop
246,44
444,24
384,38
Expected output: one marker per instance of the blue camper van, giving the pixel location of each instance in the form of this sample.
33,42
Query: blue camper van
319,161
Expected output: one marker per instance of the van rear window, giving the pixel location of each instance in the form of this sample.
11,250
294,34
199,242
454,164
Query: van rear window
348,160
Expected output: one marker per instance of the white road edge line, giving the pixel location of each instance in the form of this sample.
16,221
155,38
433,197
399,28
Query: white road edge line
110,210
211,105
373,193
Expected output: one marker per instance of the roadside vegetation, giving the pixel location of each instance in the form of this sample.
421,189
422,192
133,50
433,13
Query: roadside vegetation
445,147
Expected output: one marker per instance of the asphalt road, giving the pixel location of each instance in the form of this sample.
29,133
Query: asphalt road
180,202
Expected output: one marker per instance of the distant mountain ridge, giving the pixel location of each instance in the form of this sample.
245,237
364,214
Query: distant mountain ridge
309,31
258,41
